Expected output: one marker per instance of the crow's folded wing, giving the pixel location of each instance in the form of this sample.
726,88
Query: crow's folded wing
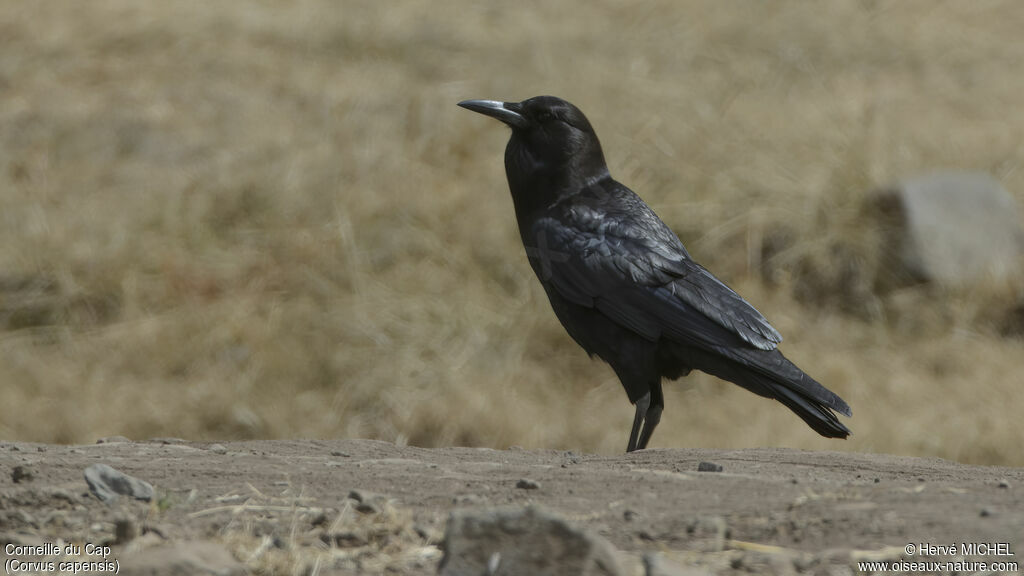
644,281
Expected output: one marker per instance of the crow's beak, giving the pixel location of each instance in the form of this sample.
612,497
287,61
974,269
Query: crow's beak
507,112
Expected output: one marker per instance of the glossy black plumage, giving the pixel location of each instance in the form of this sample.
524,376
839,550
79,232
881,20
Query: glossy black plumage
623,285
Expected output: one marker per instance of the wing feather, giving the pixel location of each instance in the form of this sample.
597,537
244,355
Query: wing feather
636,271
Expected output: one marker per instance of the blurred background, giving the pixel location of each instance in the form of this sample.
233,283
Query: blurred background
225,220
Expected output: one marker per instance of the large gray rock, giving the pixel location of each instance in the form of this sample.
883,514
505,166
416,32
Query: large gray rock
107,484
951,228
522,542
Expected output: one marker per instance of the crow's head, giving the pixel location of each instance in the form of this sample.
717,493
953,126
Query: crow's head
551,138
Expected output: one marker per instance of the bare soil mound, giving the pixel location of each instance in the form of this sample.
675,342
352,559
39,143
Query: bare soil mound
360,506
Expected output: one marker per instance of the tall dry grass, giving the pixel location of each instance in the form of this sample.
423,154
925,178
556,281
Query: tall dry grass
230,219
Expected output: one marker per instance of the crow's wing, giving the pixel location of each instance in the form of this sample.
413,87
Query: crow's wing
613,253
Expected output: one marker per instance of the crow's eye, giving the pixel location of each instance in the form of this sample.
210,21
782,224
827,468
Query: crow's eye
545,116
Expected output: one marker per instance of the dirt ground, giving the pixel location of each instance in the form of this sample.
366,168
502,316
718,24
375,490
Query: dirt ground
362,506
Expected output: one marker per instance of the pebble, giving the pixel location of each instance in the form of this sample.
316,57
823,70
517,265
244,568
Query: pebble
22,474
709,467
527,484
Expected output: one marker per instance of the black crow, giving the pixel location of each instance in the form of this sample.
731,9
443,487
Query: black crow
623,285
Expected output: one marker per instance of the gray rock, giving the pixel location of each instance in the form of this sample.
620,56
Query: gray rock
107,484
369,502
527,484
709,467
951,228
125,530
22,474
522,542
187,558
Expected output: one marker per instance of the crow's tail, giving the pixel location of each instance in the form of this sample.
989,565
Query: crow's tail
818,415
768,373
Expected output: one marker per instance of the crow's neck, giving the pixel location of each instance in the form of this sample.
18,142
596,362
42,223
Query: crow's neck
536,185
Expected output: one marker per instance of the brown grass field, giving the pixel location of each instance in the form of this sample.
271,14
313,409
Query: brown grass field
224,220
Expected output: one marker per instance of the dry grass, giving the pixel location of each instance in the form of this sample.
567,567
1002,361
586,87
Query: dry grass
239,220
285,534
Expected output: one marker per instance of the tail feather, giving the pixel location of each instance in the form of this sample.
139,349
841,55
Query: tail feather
816,414
818,417
783,373
768,373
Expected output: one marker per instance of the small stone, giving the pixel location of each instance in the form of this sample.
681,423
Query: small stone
1004,483
107,484
985,513
427,533
340,454
217,449
22,474
346,539
367,508
112,440
527,484
493,562
877,480
368,502
158,530
125,530
360,495
709,467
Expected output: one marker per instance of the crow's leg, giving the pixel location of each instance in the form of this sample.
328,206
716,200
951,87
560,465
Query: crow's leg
653,415
638,419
